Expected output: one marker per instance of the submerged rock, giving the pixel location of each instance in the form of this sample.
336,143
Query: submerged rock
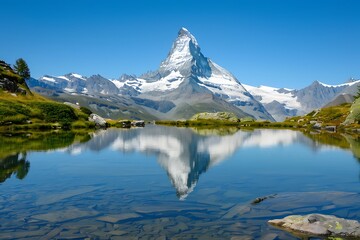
319,225
260,199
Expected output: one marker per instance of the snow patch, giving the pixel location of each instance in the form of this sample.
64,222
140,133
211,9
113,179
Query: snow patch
70,90
169,82
49,79
269,94
78,76
63,77
222,82
339,85
117,83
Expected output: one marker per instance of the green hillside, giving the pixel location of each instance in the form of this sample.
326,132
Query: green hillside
354,115
21,109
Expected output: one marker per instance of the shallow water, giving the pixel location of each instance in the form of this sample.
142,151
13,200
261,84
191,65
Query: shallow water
172,183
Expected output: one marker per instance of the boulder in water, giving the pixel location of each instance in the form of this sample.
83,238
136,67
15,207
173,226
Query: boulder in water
319,225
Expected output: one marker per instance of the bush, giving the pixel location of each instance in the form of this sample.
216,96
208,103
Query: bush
10,108
86,110
56,112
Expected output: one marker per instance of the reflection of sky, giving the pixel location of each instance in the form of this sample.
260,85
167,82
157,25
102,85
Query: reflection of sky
185,155
135,160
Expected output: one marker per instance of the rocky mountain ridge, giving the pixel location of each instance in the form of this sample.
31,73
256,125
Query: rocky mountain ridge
187,83
283,102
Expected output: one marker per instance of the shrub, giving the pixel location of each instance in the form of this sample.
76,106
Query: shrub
56,112
85,110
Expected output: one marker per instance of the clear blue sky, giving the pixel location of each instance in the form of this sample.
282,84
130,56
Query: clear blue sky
281,43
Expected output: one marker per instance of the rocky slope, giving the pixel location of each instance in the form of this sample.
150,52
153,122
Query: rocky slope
282,102
186,83
22,109
10,81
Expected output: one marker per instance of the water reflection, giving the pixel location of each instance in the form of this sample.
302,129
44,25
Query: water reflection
186,153
14,148
183,153
15,164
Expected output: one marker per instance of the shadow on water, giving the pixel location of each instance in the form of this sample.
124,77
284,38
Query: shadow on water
14,148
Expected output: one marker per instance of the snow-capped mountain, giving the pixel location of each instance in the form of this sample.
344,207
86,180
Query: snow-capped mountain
186,83
76,83
282,102
193,83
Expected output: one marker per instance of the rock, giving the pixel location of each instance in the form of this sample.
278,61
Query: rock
300,120
317,126
64,215
117,232
241,238
54,198
52,233
125,123
236,210
118,217
99,121
260,199
319,225
269,236
330,128
8,85
138,123
10,81
221,116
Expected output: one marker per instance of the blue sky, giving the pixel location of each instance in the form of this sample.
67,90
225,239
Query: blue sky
281,43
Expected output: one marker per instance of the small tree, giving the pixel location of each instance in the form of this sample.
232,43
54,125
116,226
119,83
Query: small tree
22,68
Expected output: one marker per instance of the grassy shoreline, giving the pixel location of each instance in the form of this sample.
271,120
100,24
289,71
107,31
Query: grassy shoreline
353,128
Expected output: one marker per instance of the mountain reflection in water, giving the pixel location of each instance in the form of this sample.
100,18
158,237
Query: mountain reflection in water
187,153
183,152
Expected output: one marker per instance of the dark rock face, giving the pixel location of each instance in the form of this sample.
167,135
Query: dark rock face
9,80
8,85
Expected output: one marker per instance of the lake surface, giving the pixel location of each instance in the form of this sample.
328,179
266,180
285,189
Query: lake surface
172,183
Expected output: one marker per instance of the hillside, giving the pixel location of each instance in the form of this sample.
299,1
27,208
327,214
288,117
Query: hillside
20,108
12,82
331,118
354,116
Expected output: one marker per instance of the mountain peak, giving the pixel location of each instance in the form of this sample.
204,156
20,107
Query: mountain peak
185,56
184,33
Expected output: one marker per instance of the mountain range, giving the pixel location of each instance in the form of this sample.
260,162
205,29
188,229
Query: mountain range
187,83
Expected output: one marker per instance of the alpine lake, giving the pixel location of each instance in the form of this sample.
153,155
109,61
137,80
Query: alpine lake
173,183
